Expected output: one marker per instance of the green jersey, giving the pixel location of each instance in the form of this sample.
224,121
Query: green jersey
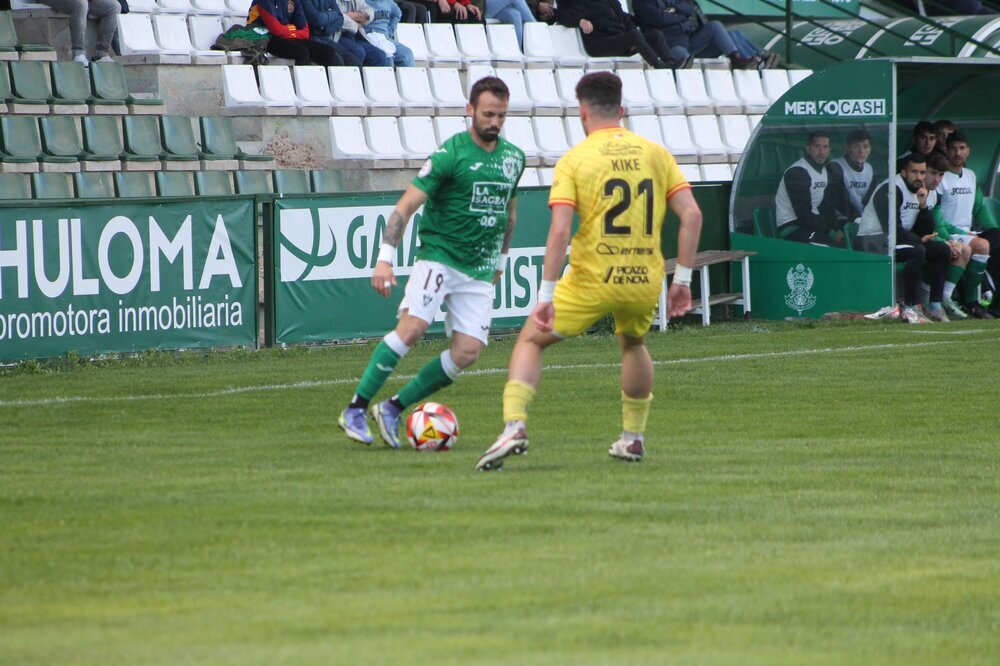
465,217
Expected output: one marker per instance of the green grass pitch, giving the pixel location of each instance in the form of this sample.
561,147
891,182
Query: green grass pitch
812,494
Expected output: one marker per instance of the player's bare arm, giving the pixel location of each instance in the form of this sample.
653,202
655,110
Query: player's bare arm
508,234
555,256
686,208
383,277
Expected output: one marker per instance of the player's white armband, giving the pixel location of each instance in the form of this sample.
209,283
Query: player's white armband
546,291
682,276
387,253
502,261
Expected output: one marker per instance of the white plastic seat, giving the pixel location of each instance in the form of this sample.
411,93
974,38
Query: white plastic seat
550,136
415,91
663,91
442,46
716,172
446,127
207,7
722,92
635,94
277,89
518,131
382,136
412,35
708,139
239,86
541,86
566,80
754,119
171,32
347,139
520,100
574,130
312,85
750,90
472,43
174,6
567,48
691,88
348,93
677,138
239,8
506,51
538,43
381,89
144,7
796,75
417,134
447,88
546,176
648,127
475,72
735,133
204,30
529,178
775,82
691,172
136,37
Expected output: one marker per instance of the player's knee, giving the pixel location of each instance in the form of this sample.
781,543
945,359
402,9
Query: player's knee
628,342
410,330
966,252
464,355
979,246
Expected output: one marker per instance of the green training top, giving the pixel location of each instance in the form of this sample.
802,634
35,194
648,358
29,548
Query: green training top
465,216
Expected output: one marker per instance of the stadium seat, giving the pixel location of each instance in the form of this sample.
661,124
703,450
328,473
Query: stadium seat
290,181
775,83
278,92
6,95
238,8
328,181
648,127
708,138
220,151
754,119
180,151
691,88
20,145
412,36
546,176
173,38
94,185
506,52
14,186
735,134
110,90
213,183
472,43
382,137
797,75
174,184
209,7
138,38
61,139
541,85
70,87
143,6
750,89
415,92
550,135
174,6
143,143
383,91
518,131
417,133
52,186
239,89
721,90
442,46
566,80
476,71
567,49
764,223
446,127
347,139
204,30
102,142
691,172
254,182
348,91
529,178
447,88
312,86
663,91
677,138
11,48
716,172
31,86
537,43
574,130
133,185
520,101
635,93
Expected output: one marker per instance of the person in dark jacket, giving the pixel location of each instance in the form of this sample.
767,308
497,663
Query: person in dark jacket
608,31
325,22
690,34
286,21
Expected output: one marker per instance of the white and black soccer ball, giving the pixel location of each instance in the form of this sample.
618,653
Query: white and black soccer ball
432,427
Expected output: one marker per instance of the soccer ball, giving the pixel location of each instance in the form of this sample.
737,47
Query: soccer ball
432,427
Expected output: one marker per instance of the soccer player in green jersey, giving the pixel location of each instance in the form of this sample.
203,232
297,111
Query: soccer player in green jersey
468,186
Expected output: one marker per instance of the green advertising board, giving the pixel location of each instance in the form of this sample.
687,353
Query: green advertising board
99,277
812,8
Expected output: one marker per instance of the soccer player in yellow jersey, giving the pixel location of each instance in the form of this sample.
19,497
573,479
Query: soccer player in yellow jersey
620,185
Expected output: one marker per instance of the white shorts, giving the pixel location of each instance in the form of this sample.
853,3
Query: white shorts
469,301
963,238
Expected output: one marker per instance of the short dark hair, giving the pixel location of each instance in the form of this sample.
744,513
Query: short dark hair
944,124
601,92
912,158
490,84
923,127
937,161
956,137
858,135
818,134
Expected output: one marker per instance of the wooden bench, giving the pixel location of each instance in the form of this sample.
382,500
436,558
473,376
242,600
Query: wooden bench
702,261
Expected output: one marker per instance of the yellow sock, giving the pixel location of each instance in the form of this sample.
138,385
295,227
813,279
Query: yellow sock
517,395
634,413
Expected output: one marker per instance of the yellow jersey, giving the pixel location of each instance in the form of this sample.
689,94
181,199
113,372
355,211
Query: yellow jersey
619,183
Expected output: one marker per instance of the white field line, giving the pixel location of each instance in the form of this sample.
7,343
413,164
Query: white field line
294,386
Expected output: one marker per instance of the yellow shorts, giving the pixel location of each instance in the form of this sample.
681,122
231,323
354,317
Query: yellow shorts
576,311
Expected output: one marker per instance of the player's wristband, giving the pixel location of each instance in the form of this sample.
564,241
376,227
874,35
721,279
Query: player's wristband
682,276
502,262
387,253
546,291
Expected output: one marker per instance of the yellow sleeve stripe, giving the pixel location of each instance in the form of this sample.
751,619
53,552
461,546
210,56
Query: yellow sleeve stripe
563,202
678,188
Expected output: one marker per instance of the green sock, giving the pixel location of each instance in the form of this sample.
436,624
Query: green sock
433,377
380,366
973,276
955,274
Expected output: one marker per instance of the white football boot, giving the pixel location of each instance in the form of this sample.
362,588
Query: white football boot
512,441
630,451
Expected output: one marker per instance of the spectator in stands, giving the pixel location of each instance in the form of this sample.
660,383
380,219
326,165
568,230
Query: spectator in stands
325,22
286,21
690,33
459,11
104,11
943,128
857,175
514,12
917,246
608,31
413,12
383,25
806,209
357,15
542,10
